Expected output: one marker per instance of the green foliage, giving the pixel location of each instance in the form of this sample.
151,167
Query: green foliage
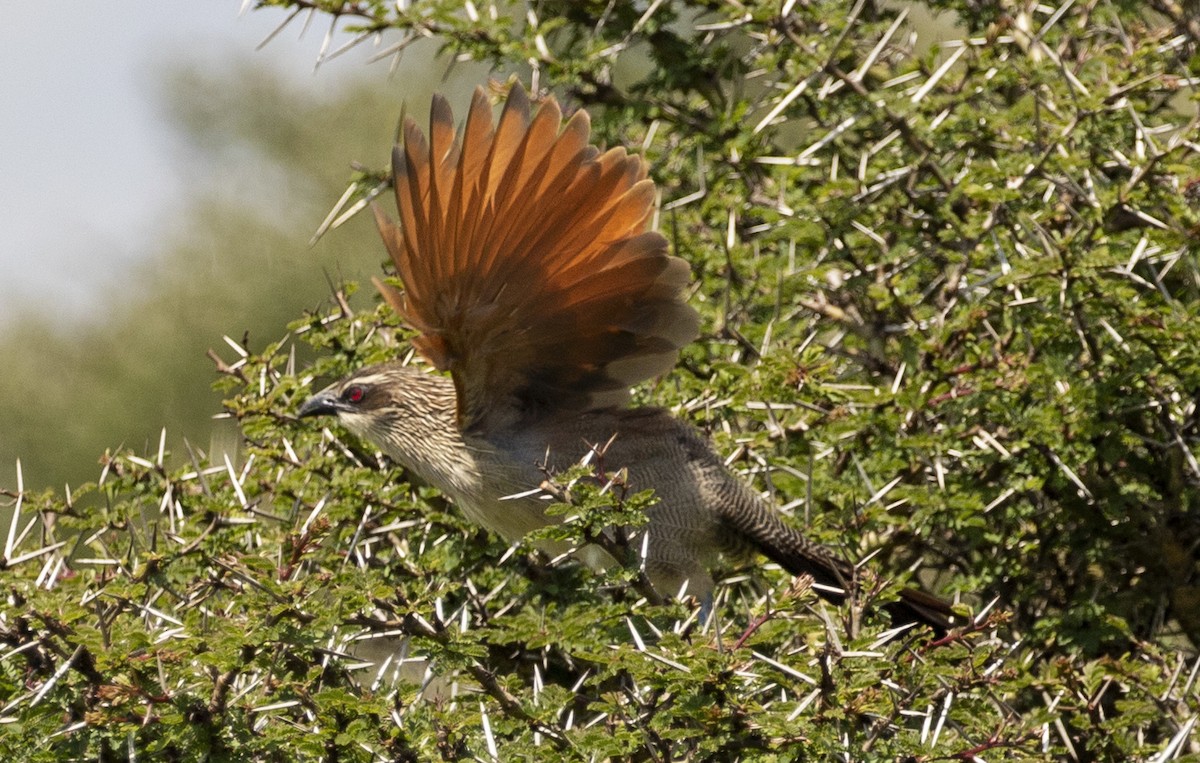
949,296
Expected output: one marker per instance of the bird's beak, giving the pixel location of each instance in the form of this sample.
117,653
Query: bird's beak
323,403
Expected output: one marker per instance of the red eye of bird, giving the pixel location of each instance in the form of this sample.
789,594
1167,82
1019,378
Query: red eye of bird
355,394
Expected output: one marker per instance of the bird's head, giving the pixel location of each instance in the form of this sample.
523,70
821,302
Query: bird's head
388,404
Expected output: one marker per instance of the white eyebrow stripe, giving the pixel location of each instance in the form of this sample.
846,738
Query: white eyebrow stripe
368,380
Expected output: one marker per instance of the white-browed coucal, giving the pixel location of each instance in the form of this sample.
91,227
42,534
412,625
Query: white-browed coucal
530,277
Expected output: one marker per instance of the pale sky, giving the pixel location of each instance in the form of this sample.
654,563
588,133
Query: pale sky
86,160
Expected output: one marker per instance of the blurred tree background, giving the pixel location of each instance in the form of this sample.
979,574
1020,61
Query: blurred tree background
234,261
949,288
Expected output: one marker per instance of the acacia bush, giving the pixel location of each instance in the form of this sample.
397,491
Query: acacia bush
948,295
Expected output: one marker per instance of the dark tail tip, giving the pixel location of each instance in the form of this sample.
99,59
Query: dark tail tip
916,606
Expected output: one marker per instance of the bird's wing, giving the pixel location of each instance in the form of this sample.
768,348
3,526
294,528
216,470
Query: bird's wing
527,267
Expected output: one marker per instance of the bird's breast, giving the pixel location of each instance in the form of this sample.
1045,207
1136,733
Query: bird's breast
493,488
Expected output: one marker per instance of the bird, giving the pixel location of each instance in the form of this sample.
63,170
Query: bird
540,296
